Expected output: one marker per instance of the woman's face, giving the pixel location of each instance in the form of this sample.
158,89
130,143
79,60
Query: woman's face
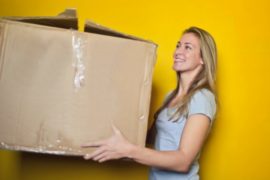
187,55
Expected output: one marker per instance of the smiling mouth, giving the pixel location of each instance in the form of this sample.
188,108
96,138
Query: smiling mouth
179,60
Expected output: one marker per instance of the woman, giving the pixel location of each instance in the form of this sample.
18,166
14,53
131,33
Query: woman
184,120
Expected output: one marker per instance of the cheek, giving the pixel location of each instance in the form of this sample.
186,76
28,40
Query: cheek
197,59
200,59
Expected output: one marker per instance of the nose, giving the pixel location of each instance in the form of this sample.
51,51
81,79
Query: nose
178,52
179,49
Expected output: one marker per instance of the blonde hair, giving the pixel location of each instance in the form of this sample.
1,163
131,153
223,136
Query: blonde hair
206,78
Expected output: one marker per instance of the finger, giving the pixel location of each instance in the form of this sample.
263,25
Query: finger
100,156
95,153
93,144
105,158
108,157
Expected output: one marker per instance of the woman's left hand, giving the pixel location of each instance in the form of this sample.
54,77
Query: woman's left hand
115,147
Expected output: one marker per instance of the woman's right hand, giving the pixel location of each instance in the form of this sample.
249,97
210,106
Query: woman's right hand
114,147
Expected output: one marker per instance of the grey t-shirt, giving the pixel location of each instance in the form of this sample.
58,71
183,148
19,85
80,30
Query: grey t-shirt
169,134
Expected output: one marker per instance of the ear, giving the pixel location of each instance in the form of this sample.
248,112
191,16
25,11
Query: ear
201,61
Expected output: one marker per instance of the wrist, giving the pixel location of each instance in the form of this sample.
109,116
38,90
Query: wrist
131,151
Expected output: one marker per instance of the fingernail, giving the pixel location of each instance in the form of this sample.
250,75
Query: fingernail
86,156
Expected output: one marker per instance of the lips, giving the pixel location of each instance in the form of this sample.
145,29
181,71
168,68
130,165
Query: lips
177,60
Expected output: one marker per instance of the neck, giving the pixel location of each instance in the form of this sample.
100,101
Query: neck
186,79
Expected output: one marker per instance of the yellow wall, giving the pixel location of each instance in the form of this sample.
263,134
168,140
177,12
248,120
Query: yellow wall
238,146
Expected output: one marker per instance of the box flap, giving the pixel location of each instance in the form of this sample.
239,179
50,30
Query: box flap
93,27
67,19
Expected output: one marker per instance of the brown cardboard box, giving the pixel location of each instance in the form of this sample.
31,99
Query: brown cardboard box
60,88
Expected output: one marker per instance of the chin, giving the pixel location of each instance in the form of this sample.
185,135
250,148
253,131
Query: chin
177,69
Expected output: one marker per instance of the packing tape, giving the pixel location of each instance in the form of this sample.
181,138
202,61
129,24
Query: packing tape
78,45
49,149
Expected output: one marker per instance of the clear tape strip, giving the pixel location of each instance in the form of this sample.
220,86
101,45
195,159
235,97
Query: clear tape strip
61,150
78,45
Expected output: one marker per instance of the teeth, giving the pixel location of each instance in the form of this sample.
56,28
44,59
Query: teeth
179,60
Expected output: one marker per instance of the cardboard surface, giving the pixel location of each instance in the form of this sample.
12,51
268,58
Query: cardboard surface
41,110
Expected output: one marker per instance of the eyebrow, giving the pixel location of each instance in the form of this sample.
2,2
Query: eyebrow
179,42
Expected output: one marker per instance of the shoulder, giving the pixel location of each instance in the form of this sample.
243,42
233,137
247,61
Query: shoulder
203,102
203,95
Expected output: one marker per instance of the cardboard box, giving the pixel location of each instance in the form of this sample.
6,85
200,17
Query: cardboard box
60,88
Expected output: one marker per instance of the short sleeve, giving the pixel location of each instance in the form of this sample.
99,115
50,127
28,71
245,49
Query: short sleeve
203,102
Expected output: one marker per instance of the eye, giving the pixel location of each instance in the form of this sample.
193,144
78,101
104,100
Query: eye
188,47
178,45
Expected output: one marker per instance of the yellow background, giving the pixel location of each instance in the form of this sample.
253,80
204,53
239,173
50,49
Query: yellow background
238,147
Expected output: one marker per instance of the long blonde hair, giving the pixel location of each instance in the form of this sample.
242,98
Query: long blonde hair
206,78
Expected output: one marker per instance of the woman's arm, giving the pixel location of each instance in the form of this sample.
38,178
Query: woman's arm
194,135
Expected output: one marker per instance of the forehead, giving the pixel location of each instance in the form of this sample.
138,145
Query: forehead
190,38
